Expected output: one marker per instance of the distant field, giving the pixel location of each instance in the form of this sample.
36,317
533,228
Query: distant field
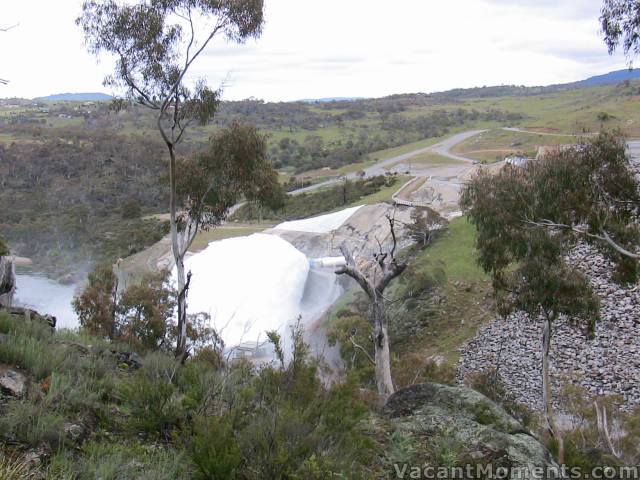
427,159
496,144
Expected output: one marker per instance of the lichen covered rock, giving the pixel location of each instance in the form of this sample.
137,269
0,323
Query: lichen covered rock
7,281
474,428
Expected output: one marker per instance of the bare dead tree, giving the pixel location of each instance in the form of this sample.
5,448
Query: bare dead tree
387,267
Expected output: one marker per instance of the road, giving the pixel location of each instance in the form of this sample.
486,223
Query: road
549,134
441,148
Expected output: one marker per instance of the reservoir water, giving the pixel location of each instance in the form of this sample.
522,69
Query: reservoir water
46,296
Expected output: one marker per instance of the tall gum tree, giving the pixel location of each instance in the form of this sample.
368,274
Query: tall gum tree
527,263
155,44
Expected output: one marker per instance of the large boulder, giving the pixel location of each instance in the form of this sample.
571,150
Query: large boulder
475,429
12,382
7,281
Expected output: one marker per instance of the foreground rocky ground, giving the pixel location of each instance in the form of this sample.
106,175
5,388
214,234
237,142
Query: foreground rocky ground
443,426
607,365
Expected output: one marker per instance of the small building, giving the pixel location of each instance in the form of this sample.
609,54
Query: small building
517,160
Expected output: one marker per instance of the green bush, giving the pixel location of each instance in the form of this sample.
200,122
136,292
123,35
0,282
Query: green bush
151,396
214,448
492,386
204,419
350,327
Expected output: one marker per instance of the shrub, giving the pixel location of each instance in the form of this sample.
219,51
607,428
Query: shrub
349,328
492,386
144,312
295,426
151,394
32,355
214,449
96,305
130,209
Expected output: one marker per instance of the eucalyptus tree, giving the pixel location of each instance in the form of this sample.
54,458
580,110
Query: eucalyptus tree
526,262
156,44
620,20
590,192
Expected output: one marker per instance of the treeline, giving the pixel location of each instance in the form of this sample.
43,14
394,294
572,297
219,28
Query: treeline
80,198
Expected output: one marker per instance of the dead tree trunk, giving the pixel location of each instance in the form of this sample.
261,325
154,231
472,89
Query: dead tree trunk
384,382
387,268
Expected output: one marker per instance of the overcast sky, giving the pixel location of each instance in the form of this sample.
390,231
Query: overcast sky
330,48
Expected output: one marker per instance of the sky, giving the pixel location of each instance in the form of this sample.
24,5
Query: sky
337,48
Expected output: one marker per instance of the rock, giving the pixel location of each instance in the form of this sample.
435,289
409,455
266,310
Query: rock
7,281
128,360
483,429
30,314
12,382
35,458
75,432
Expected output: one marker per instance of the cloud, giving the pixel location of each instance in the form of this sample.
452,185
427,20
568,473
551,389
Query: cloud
574,9
338,48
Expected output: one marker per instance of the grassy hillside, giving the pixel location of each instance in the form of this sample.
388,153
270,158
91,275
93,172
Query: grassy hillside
496,144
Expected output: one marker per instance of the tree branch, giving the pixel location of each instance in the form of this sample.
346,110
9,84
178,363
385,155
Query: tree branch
604,236
362,349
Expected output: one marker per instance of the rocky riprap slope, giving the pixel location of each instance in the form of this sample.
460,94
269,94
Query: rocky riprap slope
608,364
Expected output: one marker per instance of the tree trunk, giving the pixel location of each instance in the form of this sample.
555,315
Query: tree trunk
603,429
181,340
382,353
547,398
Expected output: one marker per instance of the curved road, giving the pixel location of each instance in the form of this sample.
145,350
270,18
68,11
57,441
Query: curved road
549,134
441,148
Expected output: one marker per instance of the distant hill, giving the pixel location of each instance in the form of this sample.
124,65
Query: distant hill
330,99
76,97
611,78
607,79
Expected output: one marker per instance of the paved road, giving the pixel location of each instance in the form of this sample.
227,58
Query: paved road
533,132
441,148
